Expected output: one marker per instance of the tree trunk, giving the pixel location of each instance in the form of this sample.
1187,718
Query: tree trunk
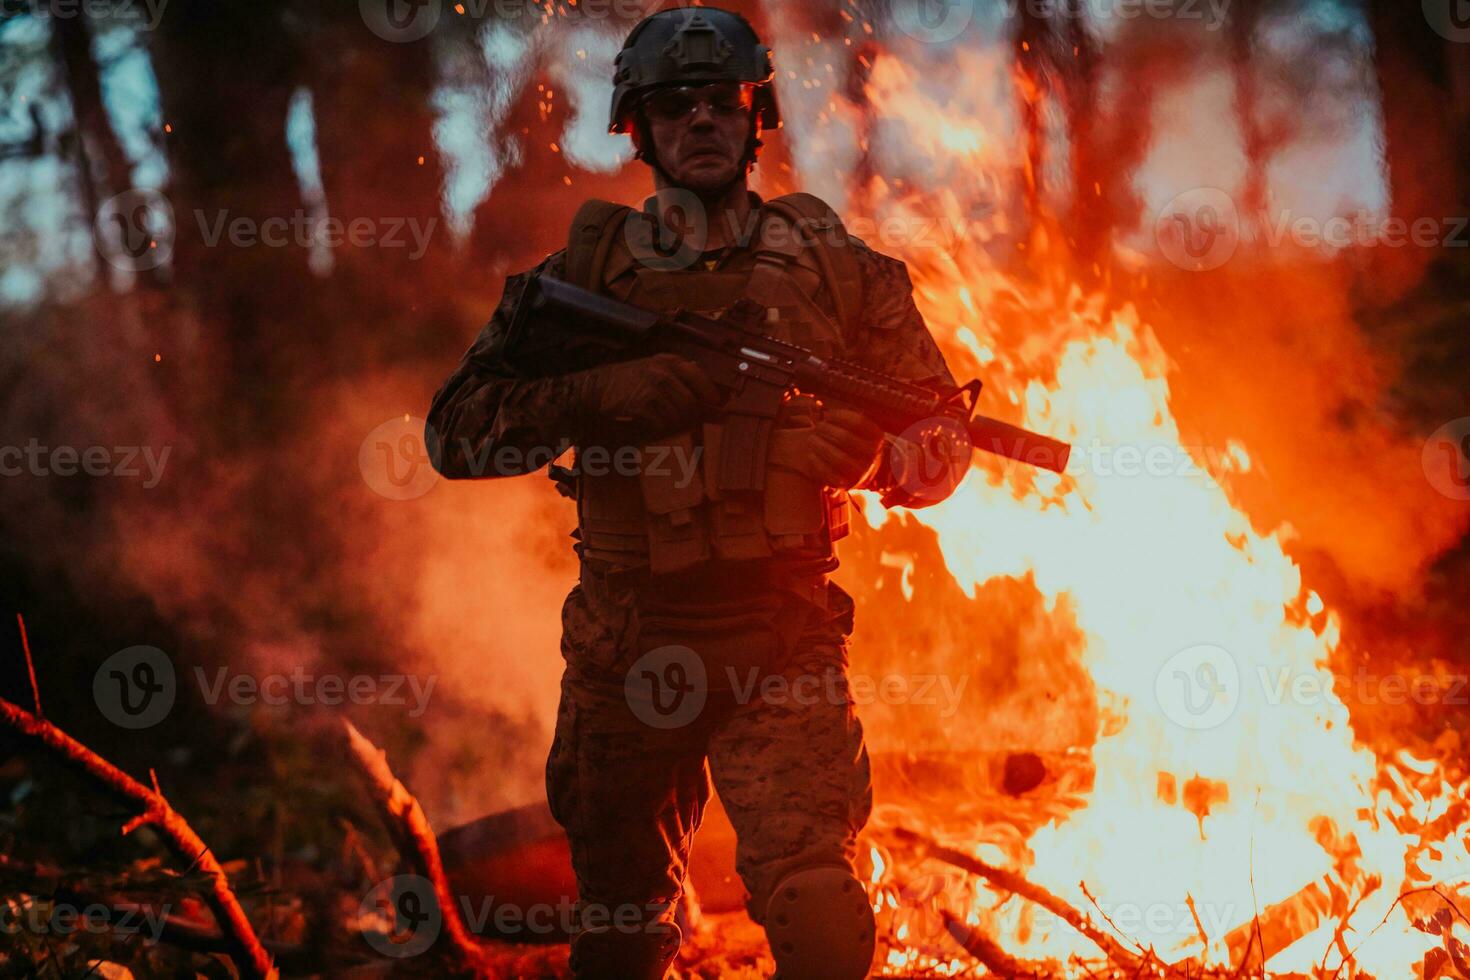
1033,37
104,168
1425,170
1243,19
1091,176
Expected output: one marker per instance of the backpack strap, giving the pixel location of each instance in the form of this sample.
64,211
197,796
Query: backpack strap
590,240
821,228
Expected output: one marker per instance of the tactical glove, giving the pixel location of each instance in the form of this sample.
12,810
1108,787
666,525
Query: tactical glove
644,399
836,447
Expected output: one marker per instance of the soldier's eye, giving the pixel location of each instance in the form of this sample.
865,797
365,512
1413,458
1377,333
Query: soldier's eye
723,99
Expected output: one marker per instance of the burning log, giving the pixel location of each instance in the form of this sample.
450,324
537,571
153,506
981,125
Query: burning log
1253,943
242,945
408,826
1012,882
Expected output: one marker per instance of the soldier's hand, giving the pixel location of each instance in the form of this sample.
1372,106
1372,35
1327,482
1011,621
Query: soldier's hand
837,446
648,398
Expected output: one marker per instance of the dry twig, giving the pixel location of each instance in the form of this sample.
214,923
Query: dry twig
243,945
25,645
1012,882
417,843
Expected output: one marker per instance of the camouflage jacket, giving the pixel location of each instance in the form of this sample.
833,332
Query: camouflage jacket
484,406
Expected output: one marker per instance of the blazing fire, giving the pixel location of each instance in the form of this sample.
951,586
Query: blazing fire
1231,817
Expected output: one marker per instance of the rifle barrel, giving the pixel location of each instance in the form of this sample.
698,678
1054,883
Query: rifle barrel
1022,445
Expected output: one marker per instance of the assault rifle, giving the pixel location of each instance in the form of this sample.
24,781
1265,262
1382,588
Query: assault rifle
559,327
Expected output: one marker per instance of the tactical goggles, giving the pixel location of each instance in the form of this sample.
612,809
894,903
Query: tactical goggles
682,101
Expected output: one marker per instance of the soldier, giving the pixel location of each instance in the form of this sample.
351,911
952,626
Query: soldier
710,571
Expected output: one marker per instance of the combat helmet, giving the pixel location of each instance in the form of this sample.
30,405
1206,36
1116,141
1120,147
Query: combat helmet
691,46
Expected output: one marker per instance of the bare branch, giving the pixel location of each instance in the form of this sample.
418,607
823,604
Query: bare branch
1012,882
25,645
244,946
417,843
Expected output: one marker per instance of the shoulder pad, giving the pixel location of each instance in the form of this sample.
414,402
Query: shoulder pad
827,239
589,239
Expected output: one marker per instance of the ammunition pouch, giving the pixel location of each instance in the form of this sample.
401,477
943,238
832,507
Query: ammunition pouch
742,503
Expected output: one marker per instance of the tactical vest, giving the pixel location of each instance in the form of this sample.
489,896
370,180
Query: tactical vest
798,264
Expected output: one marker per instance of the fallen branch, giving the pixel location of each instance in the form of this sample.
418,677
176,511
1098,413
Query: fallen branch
417,843
242,945
51,882
988,951
1278,926
1083,885
1012,882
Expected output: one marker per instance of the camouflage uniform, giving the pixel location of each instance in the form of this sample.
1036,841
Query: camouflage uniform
792,773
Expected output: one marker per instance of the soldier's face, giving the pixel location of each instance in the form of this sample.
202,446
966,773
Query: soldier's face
699,132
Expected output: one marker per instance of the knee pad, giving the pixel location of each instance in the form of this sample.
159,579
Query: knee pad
611,954
820,926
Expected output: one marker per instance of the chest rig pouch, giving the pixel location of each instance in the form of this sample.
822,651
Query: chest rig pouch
714,494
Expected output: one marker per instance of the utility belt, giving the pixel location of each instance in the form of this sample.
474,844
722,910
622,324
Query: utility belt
738,621
712,582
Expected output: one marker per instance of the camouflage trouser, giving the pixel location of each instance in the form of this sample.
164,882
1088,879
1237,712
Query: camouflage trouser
790,766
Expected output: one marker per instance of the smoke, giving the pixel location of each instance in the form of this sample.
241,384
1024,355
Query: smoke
273,545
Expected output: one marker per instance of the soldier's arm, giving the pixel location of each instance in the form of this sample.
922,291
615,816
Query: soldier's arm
487,421
893,338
